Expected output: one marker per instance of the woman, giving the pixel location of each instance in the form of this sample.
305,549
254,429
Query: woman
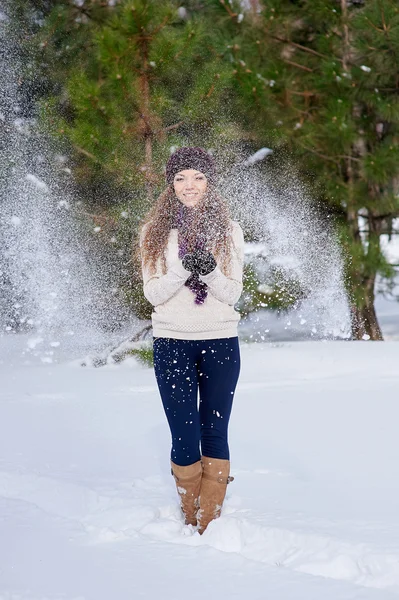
192,260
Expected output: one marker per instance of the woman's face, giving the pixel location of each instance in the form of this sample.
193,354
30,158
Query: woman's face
190,187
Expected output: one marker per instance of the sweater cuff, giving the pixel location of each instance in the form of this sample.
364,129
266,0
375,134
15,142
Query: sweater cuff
211,276
178,269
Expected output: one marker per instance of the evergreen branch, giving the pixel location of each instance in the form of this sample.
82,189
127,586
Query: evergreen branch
137,109
374,26
383,19
349,158
306,49
50,33
345,58
296,45
301,112
85,12
306,94
150,131
88,14
210,92
170,127
384,31
323,156
104,165
232,14
294,64
160,26
343,156
392,51
185,45
101,220
382,89
88,154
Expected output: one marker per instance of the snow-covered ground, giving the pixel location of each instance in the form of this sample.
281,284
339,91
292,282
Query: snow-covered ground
266,325
88,509
388,317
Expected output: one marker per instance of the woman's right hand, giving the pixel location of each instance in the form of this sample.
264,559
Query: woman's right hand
190,263
199,262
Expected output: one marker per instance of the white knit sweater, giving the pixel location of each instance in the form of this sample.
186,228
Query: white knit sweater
175,313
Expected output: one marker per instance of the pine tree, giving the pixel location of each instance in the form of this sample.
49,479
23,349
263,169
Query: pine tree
135,79
132,81
322,78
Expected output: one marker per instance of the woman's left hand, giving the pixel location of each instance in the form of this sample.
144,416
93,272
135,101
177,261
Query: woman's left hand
205,261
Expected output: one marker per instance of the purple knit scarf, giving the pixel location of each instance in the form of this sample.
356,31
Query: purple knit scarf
183,223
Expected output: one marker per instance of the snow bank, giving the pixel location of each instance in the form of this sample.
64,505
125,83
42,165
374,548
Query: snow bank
89,510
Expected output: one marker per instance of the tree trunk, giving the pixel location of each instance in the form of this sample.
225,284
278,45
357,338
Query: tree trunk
371,322
364,322
364,319
146,117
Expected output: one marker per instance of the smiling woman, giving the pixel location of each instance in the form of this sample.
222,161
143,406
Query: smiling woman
192,261
190,187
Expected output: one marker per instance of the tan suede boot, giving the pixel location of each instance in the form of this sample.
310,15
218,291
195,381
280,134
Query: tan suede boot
188,483
215,478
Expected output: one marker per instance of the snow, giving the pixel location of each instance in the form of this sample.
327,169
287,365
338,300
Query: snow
41,185
258,156
16,221
89,510
182,12
390,247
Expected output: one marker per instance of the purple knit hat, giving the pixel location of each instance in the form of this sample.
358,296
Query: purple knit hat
190,158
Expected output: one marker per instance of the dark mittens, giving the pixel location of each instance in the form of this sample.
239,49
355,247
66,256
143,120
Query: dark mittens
206,262
189,263
199,262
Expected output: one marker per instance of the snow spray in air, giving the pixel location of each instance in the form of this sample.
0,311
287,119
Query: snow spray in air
56,281
294,241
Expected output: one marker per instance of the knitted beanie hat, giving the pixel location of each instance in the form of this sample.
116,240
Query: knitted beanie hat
190,158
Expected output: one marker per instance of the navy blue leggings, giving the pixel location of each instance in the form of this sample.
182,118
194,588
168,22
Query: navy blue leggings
184,367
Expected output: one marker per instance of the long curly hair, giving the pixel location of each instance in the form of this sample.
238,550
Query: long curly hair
212,216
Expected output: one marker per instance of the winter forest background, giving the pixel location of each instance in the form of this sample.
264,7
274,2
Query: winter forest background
298,102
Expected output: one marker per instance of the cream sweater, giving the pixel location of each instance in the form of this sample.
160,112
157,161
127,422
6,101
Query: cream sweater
175,313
